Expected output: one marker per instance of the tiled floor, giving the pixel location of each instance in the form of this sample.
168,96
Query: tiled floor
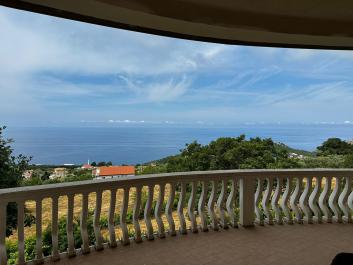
306,244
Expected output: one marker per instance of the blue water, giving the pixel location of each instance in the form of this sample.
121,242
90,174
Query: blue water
131,145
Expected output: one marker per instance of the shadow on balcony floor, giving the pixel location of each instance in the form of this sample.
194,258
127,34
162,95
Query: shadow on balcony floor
269,245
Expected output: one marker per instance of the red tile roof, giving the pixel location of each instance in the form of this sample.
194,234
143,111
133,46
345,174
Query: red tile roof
116,170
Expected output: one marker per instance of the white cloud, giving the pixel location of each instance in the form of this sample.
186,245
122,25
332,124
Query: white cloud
157,91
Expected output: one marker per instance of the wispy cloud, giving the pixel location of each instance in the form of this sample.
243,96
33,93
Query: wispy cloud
56,69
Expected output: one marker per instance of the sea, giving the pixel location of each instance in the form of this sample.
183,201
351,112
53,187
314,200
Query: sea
57,145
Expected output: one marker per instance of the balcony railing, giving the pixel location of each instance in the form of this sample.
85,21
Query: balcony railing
216,200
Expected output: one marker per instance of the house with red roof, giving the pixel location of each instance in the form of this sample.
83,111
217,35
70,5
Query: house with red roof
113,171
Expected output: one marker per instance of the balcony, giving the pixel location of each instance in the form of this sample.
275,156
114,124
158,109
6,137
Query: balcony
248,216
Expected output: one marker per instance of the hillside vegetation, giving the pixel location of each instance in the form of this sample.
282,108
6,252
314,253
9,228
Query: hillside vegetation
254,153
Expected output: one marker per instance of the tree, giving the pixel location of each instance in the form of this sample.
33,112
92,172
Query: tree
231,153
93,164
101,164
11,171
335,146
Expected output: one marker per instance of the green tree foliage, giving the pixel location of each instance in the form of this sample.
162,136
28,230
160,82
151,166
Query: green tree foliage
335,146
231,153
11,170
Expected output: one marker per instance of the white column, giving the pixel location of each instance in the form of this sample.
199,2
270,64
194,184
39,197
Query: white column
54,229
39,243
220,205
20,232
304,202
191,207
180,209
96,223
285,201
343,200
125,234
274,202
169,210
158,211
294,200
111,215
69,227
258,194
230,203
83,224
211,204
246,201
201,206
333,201
136,214
147,213
266,201
313,201
323,203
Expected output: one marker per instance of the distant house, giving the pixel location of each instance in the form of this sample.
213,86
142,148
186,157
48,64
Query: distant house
59,172
27,174
113,171
87,166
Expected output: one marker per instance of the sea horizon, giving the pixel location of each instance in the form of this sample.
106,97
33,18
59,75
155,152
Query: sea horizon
136,143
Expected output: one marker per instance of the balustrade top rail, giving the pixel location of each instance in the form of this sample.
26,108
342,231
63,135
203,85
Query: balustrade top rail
32,192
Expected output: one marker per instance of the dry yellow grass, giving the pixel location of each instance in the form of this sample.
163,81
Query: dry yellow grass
46,210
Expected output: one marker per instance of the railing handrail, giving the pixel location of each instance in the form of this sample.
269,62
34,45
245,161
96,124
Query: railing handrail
77,187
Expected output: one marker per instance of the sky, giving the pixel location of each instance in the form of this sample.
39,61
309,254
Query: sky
60,72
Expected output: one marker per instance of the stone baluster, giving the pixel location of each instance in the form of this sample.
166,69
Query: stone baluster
201,205
3,254
210,206
220,205
294,200
274,201
83,224
147,213
69,228
258,194
96,224
304,202
230,203
20,232
169,210
180,210
158,211
111,215
39,244
191,208
313,201
323,200
285,200
124,231
333,201
136,214
350,201
265,201
54,228
343,200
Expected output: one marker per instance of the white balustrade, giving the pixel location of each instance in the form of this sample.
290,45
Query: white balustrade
181,205
282,200
169,210
158,212
285,201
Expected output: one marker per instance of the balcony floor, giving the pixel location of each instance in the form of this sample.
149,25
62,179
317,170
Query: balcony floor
269,245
